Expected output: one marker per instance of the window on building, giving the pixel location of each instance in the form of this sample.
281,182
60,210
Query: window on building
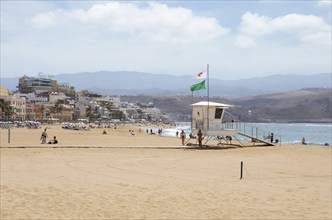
218,113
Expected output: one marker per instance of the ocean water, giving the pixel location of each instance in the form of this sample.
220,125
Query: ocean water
293,132
314,133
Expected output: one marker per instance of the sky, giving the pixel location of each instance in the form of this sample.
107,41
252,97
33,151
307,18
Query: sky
237,39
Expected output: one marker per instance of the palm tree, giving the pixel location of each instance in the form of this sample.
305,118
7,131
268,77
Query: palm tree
42,110
96,113
117,114
60,109
6,109
140,113
57,108
88,112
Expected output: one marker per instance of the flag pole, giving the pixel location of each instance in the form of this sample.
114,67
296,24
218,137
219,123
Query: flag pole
208,94
192,102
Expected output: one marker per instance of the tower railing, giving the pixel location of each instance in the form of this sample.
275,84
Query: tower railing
253,131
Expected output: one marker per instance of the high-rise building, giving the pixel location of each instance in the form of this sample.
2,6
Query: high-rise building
36,84
44,84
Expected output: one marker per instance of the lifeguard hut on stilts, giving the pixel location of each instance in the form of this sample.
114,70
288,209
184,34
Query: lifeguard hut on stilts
208,117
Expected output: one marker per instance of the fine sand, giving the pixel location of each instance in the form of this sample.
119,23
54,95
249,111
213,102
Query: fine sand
118,175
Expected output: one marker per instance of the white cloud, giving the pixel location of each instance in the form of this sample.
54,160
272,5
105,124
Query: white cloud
244,41
307,28
45,20
157,22
76,36
324,3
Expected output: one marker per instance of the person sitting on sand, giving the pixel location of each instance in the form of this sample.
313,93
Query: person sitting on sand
191,136
303,141
104,131
54,141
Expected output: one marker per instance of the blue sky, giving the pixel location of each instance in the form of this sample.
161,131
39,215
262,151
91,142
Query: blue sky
238,39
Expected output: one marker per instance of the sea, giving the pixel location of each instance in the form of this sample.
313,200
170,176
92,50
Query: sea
314,133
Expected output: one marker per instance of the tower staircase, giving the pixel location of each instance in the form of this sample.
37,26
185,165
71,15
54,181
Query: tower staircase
253,133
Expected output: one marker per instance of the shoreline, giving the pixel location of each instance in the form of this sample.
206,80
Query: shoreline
121,128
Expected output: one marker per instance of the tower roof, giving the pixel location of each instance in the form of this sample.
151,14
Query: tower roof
212,104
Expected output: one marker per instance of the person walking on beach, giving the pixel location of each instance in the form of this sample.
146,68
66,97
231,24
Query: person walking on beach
200,137
183,136
44,136
272,137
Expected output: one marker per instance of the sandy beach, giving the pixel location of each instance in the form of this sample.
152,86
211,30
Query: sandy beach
119,175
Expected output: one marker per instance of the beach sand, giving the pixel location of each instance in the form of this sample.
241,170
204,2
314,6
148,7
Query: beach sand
123,176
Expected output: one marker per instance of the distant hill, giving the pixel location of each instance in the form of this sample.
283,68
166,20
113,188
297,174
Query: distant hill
134,83
305,105
288,82
291,98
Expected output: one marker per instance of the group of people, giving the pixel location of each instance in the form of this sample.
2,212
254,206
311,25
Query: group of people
183,137
270,136
44,137
160,131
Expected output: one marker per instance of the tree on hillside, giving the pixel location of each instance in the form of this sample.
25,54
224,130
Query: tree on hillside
56,109
88,112
92,113
7,111
117,114
42,111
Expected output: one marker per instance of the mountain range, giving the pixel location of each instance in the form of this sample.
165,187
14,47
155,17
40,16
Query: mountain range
304,105
134,83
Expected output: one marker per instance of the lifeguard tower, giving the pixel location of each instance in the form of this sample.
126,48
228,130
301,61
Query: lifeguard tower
208,117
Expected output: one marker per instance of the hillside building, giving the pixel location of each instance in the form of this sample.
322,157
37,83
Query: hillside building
36,84
43,84
55,97
67,89
4,92
18,105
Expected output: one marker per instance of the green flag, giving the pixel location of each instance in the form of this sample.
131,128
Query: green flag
198,86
